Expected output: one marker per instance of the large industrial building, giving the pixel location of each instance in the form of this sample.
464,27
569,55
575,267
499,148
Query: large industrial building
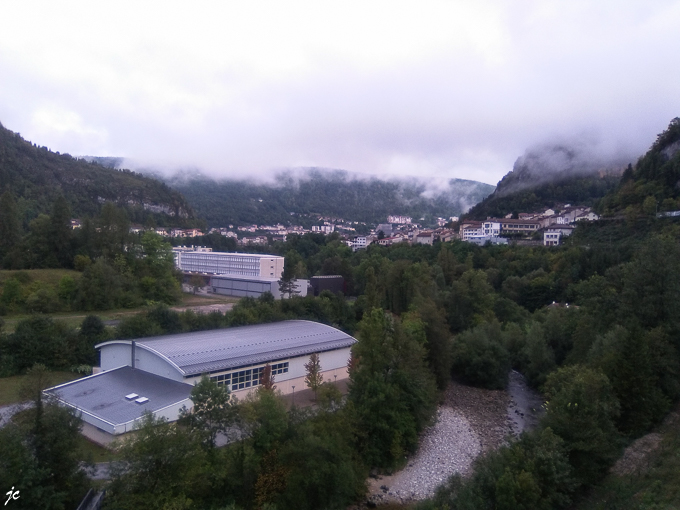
252,286
216,262
157,374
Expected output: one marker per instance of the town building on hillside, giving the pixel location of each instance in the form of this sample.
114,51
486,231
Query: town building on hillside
470,230
553,236
491,228
385,228
399,220
446,235
360,242
157,374
510,226
587,216
425,237
481,241
254,241
387,241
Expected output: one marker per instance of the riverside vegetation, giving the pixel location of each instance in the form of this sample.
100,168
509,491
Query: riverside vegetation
592,324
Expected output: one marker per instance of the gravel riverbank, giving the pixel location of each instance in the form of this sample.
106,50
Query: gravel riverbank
469,421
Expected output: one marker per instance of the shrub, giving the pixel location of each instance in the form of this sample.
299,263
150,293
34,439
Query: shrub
479,357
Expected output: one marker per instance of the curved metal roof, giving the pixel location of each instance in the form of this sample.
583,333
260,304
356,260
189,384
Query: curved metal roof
221,349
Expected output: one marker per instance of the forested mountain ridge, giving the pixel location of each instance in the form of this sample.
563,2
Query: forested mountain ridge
549,176
328,193
37,176
653,185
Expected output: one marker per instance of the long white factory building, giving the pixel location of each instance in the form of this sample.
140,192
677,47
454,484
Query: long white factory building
196,260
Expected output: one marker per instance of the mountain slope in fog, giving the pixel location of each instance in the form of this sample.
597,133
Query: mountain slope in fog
551,175
36,176
328,193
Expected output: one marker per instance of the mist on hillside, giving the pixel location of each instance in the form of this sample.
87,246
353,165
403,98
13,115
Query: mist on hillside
557,160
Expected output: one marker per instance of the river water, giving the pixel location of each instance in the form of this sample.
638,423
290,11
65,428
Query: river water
525,407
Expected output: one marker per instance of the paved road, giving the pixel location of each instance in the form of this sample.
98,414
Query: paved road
6,412
102,471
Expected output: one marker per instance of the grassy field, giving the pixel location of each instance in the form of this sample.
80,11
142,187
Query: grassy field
74,319
49,276
10,387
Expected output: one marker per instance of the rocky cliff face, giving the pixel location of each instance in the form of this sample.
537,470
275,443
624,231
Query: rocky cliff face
555,163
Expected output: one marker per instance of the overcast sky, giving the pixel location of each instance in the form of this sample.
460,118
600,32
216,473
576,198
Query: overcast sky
441,89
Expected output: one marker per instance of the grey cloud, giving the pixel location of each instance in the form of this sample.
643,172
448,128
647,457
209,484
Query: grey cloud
609,79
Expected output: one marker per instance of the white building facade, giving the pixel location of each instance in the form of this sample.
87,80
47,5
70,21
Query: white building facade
215,262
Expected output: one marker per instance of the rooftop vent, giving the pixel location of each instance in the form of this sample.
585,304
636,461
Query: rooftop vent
131,396
142,400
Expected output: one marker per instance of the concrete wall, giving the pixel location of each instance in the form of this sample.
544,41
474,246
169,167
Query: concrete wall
171,413
114,356
118,355
271,267
91,419
333,366
234,286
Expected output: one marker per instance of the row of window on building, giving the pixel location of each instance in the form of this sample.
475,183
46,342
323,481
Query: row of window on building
247,378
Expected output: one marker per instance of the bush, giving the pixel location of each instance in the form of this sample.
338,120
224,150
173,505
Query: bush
480,358
532,473
582,410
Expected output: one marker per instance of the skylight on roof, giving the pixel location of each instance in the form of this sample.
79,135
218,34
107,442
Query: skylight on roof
142,400
131,396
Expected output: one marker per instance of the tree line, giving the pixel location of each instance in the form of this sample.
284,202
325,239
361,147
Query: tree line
119,269
593,325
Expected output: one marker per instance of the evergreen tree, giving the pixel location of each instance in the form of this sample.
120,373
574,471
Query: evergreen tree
10,226
287,283
391,391
61,232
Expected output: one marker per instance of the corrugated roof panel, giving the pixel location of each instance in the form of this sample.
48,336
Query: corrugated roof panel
208,351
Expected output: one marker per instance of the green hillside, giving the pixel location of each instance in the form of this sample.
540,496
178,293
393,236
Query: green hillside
329,193
654,183
548,177
36,176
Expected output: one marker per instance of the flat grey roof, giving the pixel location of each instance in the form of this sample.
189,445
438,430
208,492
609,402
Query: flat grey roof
103,394
222,349
235,254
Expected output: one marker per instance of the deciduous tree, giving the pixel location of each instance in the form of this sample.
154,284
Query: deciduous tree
314,377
